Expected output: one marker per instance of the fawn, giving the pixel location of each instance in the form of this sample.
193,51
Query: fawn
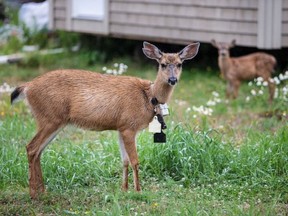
236,70
98,102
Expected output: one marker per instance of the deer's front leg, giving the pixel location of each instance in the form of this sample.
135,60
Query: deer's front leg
229,90
236,85
271,86
128,137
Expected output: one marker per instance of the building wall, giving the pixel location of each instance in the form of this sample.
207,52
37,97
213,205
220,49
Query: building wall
285,24
184,21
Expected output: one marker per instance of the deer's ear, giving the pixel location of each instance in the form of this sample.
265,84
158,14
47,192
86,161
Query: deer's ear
233,43
151,51
189,51
214,43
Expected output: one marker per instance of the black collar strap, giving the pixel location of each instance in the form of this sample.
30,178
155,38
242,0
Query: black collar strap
158,113
154,101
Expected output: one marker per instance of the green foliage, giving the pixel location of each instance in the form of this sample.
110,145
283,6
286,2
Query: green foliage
67,39
102,48
34,38
95,56
13,46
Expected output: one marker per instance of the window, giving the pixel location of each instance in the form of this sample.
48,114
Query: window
88,9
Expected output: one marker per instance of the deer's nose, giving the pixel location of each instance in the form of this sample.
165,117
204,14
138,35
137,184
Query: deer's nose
172,81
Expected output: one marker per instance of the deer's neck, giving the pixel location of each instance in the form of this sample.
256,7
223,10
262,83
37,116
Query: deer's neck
161,90
224,63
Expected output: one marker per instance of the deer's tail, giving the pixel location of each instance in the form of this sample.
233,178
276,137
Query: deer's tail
17,94
274,65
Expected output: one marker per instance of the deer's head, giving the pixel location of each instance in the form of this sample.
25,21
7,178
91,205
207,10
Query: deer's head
170,64
223,48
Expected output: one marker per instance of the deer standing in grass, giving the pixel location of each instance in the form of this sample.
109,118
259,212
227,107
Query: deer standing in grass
98,102
236,70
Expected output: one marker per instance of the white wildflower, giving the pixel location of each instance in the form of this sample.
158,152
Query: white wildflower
188,109
123,66
115,72
217,100
253,92
247,99
285,90
198,109
5,88
109,71
215,94
260,79
209,111
181,102
203,110
277,81
258,83
281,77
260,92
121,71
211,103
250,83
286,75
265,83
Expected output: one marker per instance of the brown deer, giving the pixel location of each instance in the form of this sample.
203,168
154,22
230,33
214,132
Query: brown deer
98,102
236,70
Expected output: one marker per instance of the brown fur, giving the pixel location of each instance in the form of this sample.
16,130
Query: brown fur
98,102
248,67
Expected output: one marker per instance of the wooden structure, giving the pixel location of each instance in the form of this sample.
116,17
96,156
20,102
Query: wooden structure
254,23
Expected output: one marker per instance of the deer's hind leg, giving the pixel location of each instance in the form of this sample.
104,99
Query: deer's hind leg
43,137
125,160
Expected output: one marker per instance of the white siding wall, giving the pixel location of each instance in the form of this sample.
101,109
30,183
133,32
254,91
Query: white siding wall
185,21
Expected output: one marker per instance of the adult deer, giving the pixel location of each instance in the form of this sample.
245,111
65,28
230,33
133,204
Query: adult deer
98,102
236,70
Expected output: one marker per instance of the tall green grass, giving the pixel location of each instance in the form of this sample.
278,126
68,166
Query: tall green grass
193,164
190,157
200,157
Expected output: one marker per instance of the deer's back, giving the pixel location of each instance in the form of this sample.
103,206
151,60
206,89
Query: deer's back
91,100
253,65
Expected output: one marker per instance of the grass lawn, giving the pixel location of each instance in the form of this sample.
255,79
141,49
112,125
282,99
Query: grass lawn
228,158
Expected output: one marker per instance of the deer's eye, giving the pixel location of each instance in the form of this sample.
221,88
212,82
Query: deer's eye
179,65
163,65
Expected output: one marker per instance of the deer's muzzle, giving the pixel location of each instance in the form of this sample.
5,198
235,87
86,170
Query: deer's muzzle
172,80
